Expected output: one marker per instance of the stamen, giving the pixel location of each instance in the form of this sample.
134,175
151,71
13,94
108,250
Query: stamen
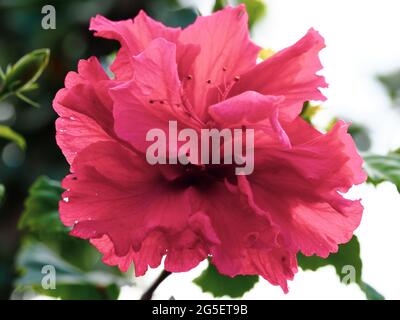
160,101
220,93
188,108
224,77
229,87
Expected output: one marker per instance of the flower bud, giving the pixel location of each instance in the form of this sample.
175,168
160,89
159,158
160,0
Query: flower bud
26,70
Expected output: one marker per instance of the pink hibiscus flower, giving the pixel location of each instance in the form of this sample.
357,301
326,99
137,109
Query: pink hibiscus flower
204,76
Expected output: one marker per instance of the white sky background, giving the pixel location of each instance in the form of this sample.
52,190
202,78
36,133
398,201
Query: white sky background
362,38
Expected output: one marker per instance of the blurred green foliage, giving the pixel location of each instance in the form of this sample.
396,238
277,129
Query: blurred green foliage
382,168
21,77
391,81
346,261
309,111
40,216
46,241
361,136
358,131
71,282
2,193
219,285
256,9
9,134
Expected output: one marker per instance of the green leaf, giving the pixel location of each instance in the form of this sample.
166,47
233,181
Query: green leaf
26,70
219,4
21,76
41,208
2,192
26,99
348,254
80,272
40,221
256,10
71,282
370,292
383,168
346,262
220,285
391,82
309,111
178,18
360,136
10,134
81,292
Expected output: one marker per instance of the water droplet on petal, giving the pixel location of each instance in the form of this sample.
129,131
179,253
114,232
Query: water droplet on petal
66,199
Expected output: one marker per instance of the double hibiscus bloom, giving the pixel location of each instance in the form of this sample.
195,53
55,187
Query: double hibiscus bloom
204,76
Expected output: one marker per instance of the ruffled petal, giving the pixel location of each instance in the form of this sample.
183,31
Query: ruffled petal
114,192
193,245
250,109
290,73
85,109
247,108
277,266
183,251
134,36
248,240
226,51
301,189
152,98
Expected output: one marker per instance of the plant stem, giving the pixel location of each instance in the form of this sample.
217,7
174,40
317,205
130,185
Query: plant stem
150,291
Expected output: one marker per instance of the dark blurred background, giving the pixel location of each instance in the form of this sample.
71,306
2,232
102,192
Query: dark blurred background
20,33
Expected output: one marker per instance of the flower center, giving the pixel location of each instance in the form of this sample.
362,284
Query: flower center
203,177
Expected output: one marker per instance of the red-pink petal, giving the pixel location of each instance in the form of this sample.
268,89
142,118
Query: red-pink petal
226,51
85,109
250,109
300,188
184,250
115,192
134,36
152,98
248,240
277,265
247,108
290,73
